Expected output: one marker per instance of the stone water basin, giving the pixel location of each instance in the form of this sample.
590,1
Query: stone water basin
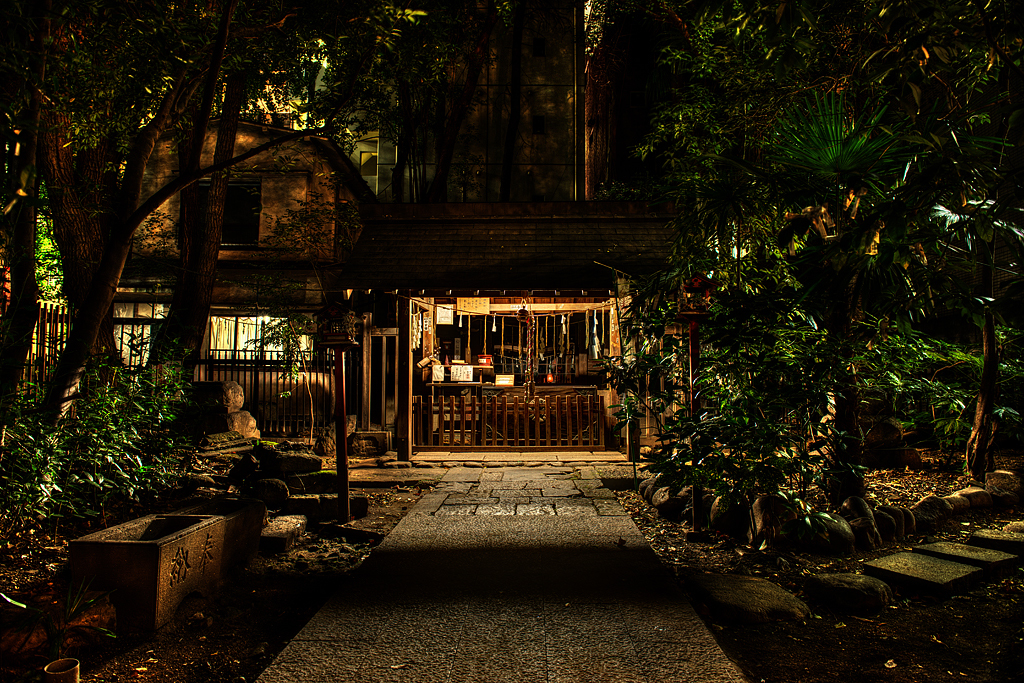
152,563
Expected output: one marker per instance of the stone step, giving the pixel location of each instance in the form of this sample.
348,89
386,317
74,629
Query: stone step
281,533
995,563
1006,541
924,573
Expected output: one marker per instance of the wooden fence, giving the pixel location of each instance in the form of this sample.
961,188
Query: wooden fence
461,423
51,330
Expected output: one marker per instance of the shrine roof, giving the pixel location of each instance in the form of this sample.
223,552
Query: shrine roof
489,248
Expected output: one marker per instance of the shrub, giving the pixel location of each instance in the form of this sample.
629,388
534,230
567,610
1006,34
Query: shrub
119,444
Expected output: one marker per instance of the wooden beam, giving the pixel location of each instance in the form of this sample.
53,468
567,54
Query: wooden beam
403,398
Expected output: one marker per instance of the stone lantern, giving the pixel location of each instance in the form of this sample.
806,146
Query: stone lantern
693,305
339,328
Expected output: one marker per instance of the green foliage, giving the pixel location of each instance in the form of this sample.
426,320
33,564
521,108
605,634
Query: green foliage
120,445
931,385
764,385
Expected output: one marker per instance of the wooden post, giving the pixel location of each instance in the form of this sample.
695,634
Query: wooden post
367,342
403,418
697,493
341,437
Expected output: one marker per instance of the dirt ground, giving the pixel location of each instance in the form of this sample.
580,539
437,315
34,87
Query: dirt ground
232,636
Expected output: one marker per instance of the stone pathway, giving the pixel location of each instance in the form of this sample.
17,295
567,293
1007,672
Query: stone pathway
517,575
511,491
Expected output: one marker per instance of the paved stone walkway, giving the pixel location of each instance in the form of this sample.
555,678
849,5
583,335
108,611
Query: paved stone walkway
514,491
518,575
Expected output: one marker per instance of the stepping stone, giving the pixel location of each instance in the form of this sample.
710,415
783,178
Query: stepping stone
924,573
1006,541
280,534
996,563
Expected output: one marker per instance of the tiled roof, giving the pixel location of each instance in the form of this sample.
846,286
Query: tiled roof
505,247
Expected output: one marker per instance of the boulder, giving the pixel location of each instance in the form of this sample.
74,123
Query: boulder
896,514
886,525
1007,480
736,599
855,507
929,512
851,593
1014,527
909,521
1001,498
958,503
671,507
976,496
769,513
273,492
645,487
866,533
837,537
884,432
733,520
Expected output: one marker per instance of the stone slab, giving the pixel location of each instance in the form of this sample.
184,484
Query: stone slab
1006,541
280,534
996,563
920,572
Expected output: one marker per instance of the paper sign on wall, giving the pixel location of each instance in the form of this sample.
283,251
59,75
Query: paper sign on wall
462,373
475,305
444,315
436,373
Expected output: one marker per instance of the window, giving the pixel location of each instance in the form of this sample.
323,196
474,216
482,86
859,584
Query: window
368,163
538,125
540,47
241,212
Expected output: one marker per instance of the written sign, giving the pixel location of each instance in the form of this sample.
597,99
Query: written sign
477,305
462,373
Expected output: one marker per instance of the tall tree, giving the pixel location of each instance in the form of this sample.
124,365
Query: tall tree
19,211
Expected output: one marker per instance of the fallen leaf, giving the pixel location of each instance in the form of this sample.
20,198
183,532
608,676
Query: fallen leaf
890,664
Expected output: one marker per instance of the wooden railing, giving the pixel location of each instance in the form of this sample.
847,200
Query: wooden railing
462,423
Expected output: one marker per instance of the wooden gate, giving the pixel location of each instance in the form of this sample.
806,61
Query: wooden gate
473,423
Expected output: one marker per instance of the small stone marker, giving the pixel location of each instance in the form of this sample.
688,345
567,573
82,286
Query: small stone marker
1006,541
924,573
996,563
280,534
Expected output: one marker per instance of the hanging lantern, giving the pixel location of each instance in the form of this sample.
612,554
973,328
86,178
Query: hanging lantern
695,297
338,327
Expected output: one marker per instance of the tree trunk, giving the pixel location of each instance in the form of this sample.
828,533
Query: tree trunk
515,104
978,450
77,185
20,317
404,142
599,104
847,455
438,190
125,217
182,332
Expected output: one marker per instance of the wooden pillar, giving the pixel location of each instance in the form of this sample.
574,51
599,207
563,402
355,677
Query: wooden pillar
341,436
697,492
367,342
403,418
